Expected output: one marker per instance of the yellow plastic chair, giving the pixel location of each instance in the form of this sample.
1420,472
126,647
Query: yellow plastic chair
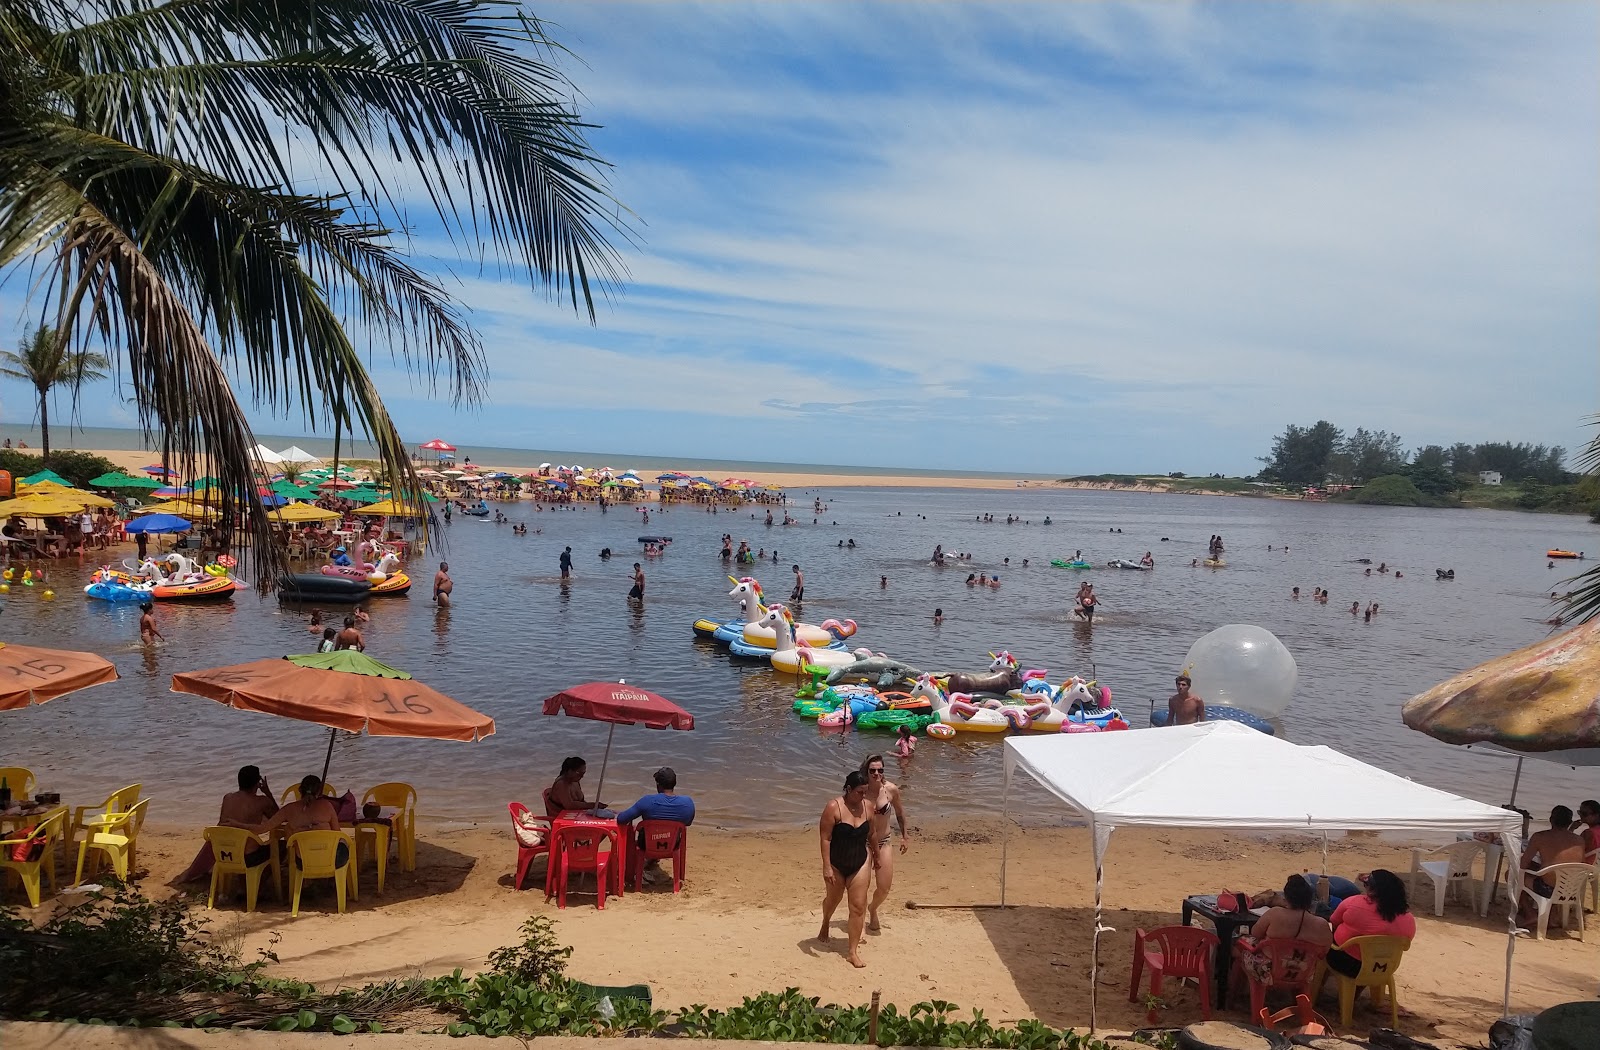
116,835
372,839
28,871
19,780
403,799
315,855
229,847
1380,958
292,793
116,802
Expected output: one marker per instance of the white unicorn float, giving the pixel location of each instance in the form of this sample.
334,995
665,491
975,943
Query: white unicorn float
791,658
758,636
1076,706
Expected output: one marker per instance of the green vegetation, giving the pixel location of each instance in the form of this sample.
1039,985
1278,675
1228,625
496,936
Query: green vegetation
147,184
120,958
1180,482
1392,490
1315,456
76,467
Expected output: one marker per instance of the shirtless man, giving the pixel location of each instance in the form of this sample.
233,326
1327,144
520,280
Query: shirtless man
1183,707
148,632
443,585
245,808
799,592
883,796
1554,845
636,593
350,637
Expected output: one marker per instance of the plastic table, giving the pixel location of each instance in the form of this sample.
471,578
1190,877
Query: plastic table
1227,924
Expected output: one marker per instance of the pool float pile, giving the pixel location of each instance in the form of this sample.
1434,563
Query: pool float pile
167,577
865,708
349,583
749,633
1074,563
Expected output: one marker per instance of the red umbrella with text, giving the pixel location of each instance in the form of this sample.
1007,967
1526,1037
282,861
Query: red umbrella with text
620,704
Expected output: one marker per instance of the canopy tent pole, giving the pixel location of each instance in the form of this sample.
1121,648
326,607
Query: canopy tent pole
1005,829
1094,955
327,759
1324,872
602,785
1510,844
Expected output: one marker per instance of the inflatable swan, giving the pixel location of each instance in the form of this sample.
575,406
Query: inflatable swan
960,714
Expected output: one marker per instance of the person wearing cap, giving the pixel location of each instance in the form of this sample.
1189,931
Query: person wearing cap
1183,707
340,557
665,804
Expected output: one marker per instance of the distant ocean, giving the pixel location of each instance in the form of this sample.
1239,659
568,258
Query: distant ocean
120,438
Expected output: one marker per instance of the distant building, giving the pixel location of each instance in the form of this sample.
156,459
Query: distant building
1488,477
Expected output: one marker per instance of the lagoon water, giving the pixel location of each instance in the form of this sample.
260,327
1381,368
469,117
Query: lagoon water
517,635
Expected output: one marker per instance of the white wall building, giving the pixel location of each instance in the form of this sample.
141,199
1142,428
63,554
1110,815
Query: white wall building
1488,477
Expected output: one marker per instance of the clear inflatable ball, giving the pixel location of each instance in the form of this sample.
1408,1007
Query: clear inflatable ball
1243,666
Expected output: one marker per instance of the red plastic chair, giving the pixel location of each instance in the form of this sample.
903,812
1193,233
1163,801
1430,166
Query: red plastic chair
574,851
663,840
1175,951
525,854
1294,964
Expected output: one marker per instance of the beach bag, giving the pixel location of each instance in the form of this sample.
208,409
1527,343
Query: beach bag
349,808
530,831
31,847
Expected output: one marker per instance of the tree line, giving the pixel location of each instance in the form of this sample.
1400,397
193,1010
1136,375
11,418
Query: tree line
1323,454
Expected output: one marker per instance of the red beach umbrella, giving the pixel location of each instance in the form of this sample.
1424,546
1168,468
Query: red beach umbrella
437,445
619,704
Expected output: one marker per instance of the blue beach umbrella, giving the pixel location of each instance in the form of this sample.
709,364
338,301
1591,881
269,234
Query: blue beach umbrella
158,523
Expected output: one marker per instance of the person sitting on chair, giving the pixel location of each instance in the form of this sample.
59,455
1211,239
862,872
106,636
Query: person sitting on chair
665,804
1295,920
1554,845
245,808
1382,911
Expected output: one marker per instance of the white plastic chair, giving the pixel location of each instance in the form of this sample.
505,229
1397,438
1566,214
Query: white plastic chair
1449,866
1569,881
1592,858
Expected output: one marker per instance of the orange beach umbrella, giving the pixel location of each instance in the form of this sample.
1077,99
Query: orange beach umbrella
33,676
345,690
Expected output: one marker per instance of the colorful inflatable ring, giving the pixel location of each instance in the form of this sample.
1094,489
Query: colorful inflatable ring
940,731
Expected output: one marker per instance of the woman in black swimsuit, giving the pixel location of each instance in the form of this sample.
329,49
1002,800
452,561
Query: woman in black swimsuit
844,829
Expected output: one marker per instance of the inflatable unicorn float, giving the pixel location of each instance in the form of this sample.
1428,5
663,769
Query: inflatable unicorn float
384,574
746,635
165,577
790,657
1075,706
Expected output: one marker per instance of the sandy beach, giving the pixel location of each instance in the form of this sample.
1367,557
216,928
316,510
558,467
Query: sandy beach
747,922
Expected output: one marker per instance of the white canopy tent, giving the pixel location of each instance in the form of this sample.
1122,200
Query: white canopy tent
296,455
1225,775
265,456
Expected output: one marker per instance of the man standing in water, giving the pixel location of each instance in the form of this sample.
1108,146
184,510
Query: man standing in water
883,796
637,593
566,563
443,585
1183,707
799,592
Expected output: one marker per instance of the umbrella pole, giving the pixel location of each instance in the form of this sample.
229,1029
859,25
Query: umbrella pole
602,785
1516,779
327,759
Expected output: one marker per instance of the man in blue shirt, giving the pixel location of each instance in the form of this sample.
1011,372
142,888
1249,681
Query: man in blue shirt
665,804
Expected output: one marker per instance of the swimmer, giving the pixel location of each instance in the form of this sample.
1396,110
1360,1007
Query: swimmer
361,616
316,621
1355,608
443,585
994,581
883,582
972,579
938,617
983,579
148,631
1295,594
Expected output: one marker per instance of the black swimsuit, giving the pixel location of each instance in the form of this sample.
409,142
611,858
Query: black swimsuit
847,846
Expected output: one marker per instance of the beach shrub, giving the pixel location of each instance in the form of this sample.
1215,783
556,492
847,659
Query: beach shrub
76,467
1392,490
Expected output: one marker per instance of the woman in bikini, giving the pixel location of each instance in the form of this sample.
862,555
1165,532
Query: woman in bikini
1293,920
844,829
883,796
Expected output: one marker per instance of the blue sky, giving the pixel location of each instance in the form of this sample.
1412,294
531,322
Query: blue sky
1061,238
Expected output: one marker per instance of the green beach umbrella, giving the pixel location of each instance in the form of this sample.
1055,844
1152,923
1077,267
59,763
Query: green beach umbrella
290,490
116,479
361,495
47,475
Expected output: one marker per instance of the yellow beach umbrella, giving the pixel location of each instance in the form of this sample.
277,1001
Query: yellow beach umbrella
296,513
39,506
54,490
389,509
42,487
184,508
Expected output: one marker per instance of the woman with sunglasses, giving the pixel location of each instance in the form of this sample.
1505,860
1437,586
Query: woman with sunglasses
883,797
844,829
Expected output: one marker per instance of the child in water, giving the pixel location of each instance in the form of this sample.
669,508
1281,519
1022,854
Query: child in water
148,632
938,617
906,745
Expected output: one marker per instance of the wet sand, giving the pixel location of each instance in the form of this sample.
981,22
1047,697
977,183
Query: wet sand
747,922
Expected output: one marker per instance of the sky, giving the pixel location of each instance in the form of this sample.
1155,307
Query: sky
1057,238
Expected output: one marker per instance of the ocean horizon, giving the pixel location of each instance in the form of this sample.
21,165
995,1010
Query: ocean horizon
128,439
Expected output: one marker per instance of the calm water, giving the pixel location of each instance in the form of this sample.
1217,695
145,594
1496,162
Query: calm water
516,635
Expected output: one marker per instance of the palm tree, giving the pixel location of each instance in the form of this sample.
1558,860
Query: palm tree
1582,603
210,190
43,360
